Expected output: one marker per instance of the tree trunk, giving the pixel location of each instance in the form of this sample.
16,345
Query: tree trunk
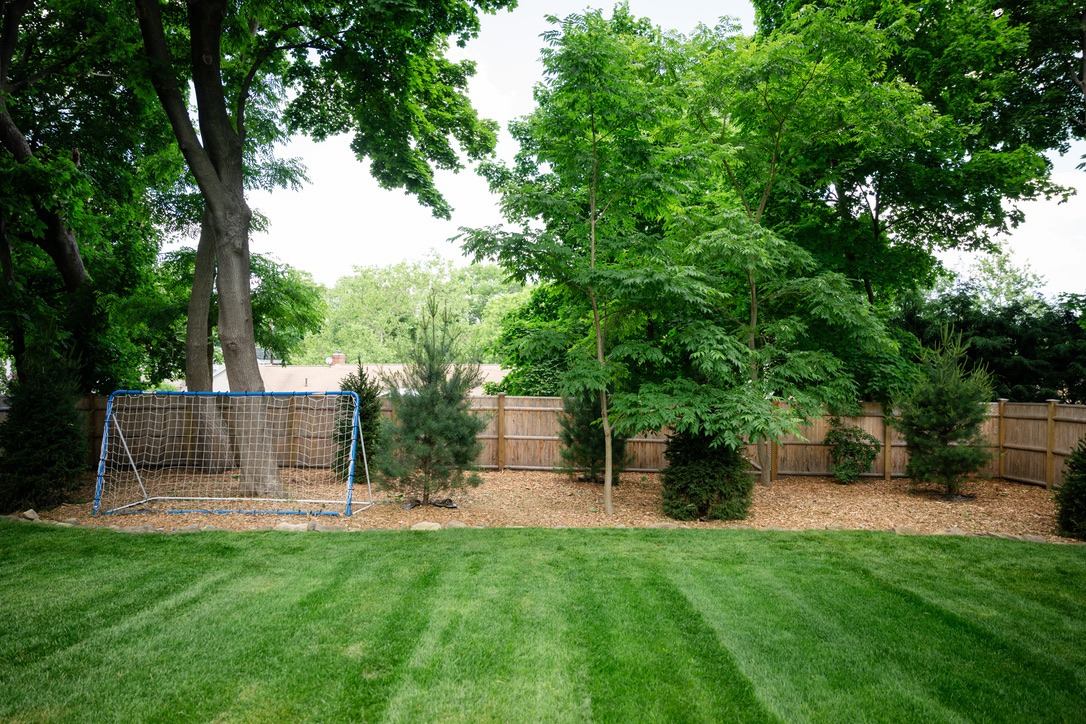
198,363
765,475
18,335
58,241
215,158
608,456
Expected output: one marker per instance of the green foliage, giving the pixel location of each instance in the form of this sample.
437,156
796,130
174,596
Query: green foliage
1034,349
582,441
371,312
433,442
287,305
1071,496
876,206
705,481
43,444
942,417
369,421
535,340
852,451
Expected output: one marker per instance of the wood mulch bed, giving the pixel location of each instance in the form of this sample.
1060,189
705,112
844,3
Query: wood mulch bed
543,499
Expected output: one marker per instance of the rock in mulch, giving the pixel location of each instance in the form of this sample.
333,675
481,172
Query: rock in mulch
292,526
426,525
456,524
329,528
31,515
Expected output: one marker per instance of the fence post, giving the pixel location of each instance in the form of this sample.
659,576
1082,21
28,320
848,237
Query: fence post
1002,436
887,446
501,432
1050,445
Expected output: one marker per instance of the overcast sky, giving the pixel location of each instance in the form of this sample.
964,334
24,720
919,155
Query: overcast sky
342,219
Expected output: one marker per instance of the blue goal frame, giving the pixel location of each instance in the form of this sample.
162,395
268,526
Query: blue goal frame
112,428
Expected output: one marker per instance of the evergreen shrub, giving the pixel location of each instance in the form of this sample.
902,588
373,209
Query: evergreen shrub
942,417
582,439
852,451
369,418
1071,496
433,444
702,481
43,444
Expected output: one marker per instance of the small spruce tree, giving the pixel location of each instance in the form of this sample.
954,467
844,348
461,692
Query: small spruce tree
433,443
369,418
582,439
1071,495
942,417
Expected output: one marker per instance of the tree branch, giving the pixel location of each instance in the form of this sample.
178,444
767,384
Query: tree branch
169,93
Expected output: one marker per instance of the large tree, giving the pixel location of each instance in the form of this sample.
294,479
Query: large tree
587,183
376,71
83,159
877,210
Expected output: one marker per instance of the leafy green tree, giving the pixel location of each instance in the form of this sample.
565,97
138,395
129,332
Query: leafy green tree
377,71
589,175
434,439
535,340
876,207
759,353
1034,349
942,418
739,362
83,163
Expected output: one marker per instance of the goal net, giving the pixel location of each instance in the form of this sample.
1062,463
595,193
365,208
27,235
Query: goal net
245,452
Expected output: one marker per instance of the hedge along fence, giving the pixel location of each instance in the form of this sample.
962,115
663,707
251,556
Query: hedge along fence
1030,439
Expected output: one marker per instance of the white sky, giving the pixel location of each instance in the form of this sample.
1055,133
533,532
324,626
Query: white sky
342,219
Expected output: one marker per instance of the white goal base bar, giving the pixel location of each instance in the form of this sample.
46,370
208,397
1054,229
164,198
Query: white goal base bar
237,452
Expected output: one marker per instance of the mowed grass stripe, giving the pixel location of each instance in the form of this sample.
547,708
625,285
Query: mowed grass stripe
538,625
499,646
828,639
650,654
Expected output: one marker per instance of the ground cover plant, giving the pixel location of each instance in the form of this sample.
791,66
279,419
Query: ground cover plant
534,624
852,451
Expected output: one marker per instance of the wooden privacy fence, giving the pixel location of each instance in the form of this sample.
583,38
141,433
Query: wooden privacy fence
1030,439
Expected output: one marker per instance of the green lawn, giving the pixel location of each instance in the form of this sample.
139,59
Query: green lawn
538,625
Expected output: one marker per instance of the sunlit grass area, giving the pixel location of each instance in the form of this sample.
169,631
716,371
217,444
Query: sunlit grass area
538,625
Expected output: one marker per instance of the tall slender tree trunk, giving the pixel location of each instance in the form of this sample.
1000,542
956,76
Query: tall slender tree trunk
198,364
765,474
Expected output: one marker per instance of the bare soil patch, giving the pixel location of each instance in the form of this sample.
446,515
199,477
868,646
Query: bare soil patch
551,500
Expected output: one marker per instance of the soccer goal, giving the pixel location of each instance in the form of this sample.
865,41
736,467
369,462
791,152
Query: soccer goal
232,452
